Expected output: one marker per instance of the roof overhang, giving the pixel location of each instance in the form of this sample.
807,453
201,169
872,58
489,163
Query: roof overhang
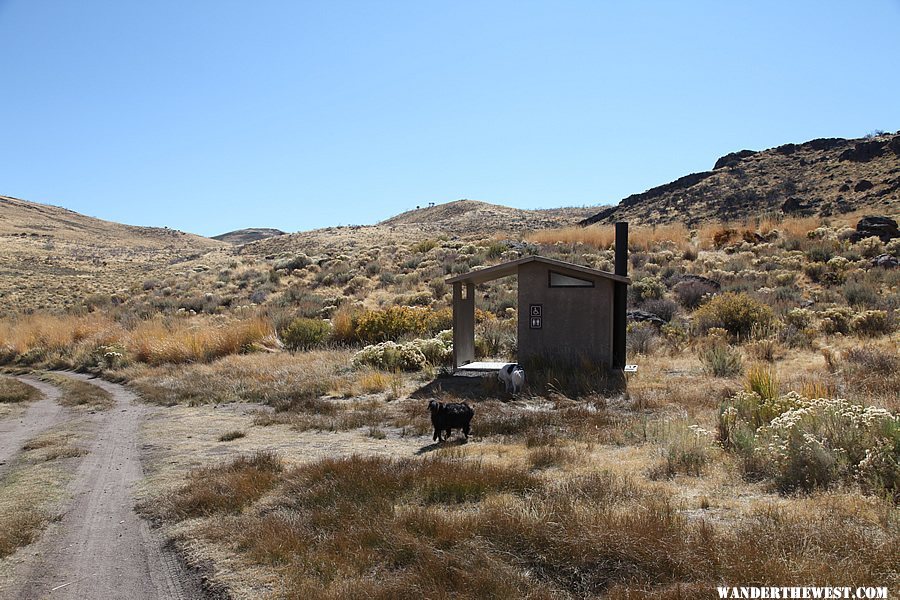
512,267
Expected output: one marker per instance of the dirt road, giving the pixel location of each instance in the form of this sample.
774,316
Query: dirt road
101,548
39,416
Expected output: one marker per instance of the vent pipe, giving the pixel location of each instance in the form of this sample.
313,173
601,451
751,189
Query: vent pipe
620,296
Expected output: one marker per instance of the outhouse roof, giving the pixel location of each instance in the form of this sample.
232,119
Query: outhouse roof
511,268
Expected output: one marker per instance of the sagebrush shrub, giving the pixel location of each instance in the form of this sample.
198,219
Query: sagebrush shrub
737,313
647,288
662,308
692,293
641,338
721,359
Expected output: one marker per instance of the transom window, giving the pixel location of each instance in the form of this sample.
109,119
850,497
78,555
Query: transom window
561,280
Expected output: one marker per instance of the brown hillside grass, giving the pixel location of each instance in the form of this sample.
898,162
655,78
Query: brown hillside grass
640,238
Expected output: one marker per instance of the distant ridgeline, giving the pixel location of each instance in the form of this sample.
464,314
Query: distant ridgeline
820,177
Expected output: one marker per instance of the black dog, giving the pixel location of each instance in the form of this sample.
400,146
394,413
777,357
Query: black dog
449,416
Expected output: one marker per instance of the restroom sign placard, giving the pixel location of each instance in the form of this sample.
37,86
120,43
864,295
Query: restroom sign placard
536,316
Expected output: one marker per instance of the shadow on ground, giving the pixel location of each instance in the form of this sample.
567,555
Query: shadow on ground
460,441
470,387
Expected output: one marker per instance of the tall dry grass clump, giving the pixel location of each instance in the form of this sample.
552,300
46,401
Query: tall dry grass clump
35,337
640,237
160,341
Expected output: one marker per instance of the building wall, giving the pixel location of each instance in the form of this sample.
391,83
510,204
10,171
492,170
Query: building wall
576,322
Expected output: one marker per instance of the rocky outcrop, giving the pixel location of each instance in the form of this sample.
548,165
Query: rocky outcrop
645,317
886,261
884,228
733,158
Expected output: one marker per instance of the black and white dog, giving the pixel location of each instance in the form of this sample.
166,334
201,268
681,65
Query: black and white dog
513,377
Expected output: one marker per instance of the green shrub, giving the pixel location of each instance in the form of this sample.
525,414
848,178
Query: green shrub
737,313
304,333
396,322
648,288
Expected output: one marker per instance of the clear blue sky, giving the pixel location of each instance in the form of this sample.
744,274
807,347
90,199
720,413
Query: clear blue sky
209,116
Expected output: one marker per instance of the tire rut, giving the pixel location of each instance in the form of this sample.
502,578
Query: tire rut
102,548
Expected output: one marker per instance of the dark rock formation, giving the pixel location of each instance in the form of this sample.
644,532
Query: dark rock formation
864,151
733,158
884,228
645,317
886,261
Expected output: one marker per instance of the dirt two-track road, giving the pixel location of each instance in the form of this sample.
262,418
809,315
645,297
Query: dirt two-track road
101,548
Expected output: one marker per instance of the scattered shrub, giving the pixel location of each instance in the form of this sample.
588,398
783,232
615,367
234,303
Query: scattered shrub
824,441
662,308
721,359
836,320
647,288
872,323
860,294
304,333
292,263
870,247
737,313
641,338
692,293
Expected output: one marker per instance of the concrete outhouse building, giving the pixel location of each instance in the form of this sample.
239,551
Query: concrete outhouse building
564,310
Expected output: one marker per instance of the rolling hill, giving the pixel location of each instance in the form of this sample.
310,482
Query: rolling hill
53,257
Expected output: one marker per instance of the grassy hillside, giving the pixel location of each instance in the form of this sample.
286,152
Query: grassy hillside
55,258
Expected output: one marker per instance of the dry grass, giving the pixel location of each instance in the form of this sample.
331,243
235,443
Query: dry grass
276,379
159,341
94,341
13,391
451,527
80,393
31,489
53,445
227,488
56,333
230,436
640,237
